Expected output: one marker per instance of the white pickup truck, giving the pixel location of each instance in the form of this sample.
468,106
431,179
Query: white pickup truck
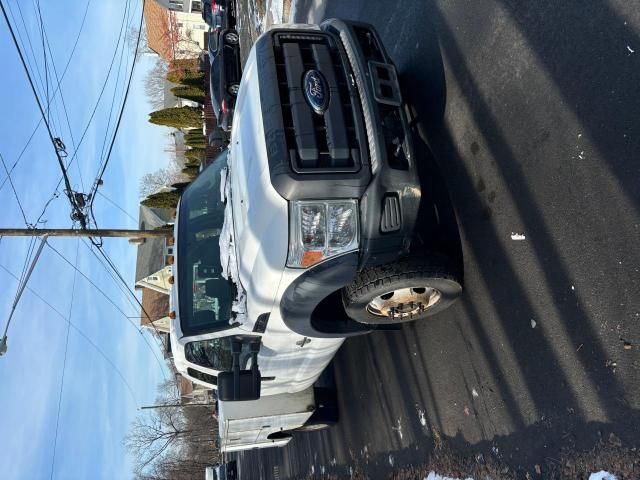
303,233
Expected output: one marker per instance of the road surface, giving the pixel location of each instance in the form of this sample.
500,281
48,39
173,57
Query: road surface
532,111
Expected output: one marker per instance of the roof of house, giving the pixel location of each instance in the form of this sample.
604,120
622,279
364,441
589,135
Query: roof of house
156,19
155,304
150,257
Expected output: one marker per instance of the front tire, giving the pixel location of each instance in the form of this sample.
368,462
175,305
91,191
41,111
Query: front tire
410,289
233,89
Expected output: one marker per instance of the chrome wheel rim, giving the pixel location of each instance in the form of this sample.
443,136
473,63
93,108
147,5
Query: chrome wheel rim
232,38
233,89
404,302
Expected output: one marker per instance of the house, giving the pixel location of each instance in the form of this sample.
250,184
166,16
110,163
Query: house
187,6
154,313
152,270
156,20
174,28
191,392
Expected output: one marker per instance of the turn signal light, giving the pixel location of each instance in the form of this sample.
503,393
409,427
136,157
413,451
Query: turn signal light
171,280
170,259
172,315
311,257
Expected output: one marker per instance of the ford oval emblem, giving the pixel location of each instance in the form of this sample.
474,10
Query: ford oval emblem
316,91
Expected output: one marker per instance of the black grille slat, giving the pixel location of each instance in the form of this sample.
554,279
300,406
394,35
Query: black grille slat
337,143
305,136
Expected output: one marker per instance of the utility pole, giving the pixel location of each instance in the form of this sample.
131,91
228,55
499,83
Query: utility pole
60,232
178,405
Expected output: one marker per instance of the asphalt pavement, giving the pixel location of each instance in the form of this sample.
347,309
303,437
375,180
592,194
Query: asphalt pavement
532,112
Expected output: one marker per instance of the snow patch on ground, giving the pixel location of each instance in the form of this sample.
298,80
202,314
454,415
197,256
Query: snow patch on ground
422,418
398,429
517,236
533,323
602,475
435,476
474,393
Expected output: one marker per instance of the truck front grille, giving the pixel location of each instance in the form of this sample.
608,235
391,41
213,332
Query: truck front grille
327,142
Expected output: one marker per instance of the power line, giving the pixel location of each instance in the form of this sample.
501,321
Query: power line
124,283
111,301
90,246
55,142
118,207
64,72
45,39
79,331
64,363
15,193
120,115
95,107
37,69
21,153
93,284
133,295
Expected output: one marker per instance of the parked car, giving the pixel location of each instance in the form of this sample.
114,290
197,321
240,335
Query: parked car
218,140
218,14
225,73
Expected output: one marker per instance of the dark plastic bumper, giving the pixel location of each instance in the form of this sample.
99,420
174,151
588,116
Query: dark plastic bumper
389,205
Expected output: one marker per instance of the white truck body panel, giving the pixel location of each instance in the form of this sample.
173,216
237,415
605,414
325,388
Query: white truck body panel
245,425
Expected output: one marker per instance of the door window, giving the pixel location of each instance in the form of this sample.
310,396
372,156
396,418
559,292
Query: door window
215,354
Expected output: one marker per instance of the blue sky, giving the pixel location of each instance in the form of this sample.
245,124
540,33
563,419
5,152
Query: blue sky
97,406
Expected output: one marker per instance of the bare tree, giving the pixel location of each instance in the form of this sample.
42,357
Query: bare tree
154,84
132,41
163,177
173,442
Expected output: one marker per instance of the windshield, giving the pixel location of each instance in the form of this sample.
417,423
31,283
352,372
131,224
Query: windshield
205,297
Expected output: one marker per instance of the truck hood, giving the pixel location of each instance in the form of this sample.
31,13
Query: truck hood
260,214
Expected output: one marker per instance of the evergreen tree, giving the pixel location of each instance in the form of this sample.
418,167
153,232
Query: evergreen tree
179,117
180,186
189,93
195,140
195,79
162,200
191,171
194,155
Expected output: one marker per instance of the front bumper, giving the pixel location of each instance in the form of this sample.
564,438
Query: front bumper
387,186
389,205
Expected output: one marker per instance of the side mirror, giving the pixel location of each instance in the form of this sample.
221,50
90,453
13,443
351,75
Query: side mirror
241,385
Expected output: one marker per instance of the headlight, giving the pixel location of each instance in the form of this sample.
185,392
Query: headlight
321,229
